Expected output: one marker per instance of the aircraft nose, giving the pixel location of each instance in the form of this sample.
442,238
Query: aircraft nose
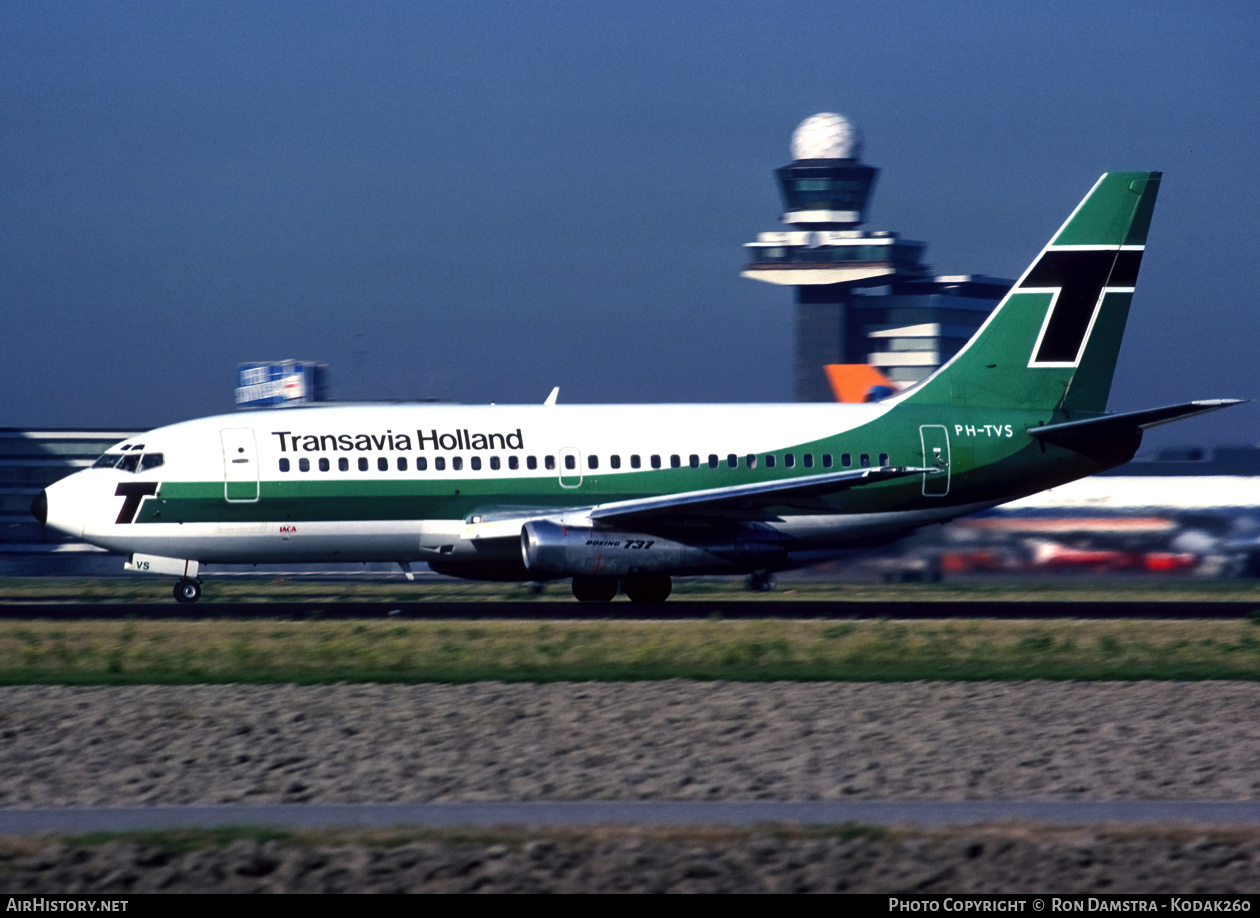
39,507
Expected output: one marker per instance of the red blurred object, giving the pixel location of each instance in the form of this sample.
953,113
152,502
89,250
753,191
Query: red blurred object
1170,562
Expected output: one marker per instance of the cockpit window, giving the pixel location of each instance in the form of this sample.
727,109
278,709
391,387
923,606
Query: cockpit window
130,462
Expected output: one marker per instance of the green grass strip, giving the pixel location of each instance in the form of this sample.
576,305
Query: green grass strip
306,589
324,652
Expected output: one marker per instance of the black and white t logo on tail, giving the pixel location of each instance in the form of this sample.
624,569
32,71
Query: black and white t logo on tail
1077,277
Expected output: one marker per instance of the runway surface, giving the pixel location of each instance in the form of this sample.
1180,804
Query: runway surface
677,610
630,813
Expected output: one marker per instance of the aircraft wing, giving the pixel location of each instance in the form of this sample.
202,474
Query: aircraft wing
736,497
761,494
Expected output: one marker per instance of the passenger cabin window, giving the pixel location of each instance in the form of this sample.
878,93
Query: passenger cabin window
789,460
769,460
635,461
570,462
323,464
475,463
614,461
732,461
694,461
866,460
494,463
402,463
846,460
304,465
550,463
809,460
457,463
713,460
343,464
826,460
421,463
592,462
751,460
382,464
674,461
513,463
284,465
656,462
363,464
439,463
883,459
531,462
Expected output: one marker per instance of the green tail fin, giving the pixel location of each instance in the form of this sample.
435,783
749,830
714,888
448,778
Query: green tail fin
1053,341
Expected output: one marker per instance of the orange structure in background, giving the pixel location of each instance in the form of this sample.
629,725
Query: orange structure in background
851,381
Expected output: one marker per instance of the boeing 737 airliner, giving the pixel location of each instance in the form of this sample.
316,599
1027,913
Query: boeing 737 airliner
630,496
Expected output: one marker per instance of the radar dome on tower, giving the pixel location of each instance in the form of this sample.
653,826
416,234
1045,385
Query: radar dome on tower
826,136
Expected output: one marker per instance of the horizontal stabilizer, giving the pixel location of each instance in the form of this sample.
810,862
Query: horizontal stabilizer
1110,425
767,493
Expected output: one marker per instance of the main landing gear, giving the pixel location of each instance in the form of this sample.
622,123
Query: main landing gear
647,588
187,590
759,582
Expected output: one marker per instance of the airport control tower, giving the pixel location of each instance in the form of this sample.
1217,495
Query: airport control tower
862,297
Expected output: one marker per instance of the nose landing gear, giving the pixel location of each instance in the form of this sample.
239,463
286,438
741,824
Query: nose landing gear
187,590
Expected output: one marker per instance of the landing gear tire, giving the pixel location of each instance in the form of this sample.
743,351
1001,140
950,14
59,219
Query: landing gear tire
649,589
760,582
187,590
594,589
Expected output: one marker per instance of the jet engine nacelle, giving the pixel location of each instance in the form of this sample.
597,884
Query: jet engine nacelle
563,551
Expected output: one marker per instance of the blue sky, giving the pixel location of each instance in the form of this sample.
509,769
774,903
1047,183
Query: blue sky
481,200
